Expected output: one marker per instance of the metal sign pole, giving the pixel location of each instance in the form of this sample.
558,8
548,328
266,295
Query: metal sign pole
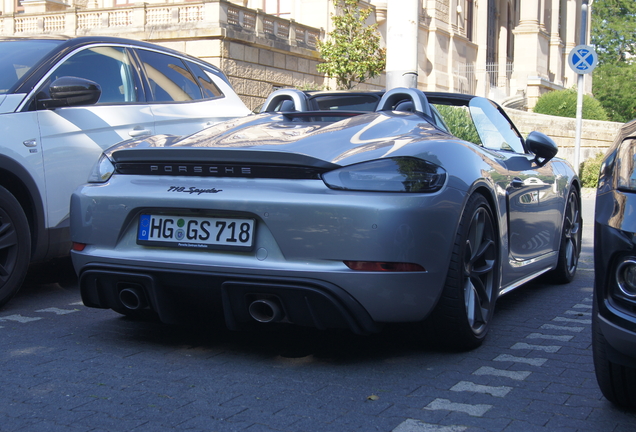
579,98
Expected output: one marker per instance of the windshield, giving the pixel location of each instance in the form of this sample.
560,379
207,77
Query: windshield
347,102
18,57
495,131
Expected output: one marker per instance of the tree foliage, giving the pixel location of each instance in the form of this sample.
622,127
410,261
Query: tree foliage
562,103
614,30
614,38
352,50
614,86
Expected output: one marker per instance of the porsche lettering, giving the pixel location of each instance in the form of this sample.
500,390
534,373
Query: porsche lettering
187,169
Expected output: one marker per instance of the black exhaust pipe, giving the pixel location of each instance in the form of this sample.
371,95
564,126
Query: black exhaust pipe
265,311
133,298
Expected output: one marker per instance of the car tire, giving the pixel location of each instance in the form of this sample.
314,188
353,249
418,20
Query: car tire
463,314
570,246
15,246
617,382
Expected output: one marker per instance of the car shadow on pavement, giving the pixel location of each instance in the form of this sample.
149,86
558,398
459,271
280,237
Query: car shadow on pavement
56,271
283,342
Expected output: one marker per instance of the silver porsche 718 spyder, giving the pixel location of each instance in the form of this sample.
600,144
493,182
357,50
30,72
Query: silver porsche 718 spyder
417,208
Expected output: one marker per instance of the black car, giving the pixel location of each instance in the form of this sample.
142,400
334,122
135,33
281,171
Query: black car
614,312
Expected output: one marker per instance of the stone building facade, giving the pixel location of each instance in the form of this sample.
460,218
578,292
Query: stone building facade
510,50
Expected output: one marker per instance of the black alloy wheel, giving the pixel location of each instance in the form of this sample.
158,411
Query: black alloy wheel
570,247
15,246
462,317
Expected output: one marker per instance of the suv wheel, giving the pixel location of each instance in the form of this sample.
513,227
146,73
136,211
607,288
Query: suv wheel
15,246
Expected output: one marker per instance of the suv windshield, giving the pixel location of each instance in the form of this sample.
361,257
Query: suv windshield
17,57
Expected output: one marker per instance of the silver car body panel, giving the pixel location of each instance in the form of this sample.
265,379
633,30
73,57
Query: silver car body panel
305,229
10,102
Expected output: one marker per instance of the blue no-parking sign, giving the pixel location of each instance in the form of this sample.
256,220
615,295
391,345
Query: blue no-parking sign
583,59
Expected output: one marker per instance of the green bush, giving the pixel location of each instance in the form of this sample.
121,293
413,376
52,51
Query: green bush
459,122
589,171
562,103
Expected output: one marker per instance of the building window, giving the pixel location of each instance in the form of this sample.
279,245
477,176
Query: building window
470,12
279,8
18,6
510,43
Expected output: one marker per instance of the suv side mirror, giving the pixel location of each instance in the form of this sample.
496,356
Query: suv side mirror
71,91
543,147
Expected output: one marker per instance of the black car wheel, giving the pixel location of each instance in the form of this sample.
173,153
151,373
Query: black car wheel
570,247
617,382
15,246
463,314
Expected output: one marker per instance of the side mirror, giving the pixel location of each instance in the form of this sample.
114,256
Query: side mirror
71,91
543,147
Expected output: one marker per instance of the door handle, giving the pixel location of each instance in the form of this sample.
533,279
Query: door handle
139,132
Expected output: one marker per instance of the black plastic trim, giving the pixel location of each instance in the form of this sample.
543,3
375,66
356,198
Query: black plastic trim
174,294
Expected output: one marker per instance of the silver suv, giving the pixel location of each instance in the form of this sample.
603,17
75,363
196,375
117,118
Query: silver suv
63,101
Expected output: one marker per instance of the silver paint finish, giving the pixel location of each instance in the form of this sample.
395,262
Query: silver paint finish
306,230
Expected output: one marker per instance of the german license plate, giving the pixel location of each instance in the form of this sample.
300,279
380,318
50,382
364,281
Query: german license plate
195,232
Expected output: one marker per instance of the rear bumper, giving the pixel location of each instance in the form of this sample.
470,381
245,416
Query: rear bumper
178,296
304,234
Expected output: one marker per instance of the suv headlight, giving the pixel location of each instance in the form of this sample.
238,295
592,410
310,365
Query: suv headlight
102,170
625,165
400,174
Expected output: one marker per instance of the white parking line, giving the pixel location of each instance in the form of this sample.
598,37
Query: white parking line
581,306
19,318
58,311
411,425
514,375
572,320
545,348
477,410
564,328
561,338
468,386
526,360
578,313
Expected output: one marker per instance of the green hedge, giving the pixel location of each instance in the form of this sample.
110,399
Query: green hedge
459,122
562,103
590,170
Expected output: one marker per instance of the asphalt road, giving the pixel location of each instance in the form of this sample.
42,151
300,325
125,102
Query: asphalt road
67,367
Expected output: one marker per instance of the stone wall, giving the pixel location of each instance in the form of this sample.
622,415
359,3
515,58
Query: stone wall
596,136
256,71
